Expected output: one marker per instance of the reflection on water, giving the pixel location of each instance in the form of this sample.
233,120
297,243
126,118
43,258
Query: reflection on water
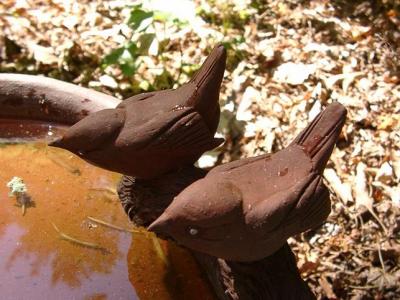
27,130
35,260
177,276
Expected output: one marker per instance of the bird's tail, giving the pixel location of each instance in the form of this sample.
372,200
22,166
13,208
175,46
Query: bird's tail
212,70
207,83
320,136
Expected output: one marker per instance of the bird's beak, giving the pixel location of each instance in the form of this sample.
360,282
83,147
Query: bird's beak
319,138
62,143
57,143
161,226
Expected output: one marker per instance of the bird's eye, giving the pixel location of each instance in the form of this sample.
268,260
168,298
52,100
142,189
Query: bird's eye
193,231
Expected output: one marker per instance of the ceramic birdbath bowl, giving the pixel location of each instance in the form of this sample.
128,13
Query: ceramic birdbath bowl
70,238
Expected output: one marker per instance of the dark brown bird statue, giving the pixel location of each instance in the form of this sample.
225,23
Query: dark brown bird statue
153,133
245,210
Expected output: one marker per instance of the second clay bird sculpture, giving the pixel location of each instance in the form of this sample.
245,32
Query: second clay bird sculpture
151,134
245,210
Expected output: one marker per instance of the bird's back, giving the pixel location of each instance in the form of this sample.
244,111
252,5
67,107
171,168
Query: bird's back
262,176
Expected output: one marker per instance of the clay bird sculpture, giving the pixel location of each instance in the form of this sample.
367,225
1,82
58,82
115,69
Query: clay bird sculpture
245,210
153,133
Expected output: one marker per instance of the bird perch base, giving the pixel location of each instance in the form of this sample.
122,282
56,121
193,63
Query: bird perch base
273,277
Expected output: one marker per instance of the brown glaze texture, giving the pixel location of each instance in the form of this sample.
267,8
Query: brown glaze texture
246,210
47,99
154,133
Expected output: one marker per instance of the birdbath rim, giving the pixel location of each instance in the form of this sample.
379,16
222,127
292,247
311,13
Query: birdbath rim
39,98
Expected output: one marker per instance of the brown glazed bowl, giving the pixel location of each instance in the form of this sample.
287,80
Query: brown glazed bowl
37,98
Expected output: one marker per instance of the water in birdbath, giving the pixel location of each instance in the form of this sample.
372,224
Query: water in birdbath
72,239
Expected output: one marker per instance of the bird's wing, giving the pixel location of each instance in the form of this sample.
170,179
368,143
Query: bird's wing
238,163
268,214
181,129
139,97
312,208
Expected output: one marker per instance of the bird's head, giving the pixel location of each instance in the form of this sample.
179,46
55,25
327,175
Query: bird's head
92,132
204,217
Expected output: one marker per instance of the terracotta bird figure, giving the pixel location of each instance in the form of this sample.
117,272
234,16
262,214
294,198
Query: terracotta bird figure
245,210
153,133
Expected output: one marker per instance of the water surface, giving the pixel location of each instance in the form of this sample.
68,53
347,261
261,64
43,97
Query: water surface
37,261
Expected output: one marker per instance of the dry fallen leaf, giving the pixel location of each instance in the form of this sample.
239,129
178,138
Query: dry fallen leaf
384,173
244,112
342,190
108,81
347,78
293,73
327,287
360,188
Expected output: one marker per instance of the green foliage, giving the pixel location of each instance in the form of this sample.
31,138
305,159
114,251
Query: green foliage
225,16
144,24
130,56
235,55
138,17
127,55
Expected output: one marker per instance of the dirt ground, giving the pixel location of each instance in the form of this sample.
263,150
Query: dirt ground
286,61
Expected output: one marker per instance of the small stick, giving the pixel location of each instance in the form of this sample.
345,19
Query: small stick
159,250
378,220
113,226
76,241
157,246
366,287
107,189
58,160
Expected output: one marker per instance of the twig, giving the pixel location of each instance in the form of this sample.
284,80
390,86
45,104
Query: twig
157,246
113,226
340,268
159,250
332,266
378,220
366,287
58,160
79,242
107,189
362,197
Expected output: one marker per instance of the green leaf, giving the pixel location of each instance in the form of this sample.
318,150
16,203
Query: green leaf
127,57
137,17
164,81
132,49
145,42
161,16
144,85
180,23
189,69
128,69
113,57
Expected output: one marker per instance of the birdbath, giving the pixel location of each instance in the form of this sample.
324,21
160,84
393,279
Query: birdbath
59,241
47,100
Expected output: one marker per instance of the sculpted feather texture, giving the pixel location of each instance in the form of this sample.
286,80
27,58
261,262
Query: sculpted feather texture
151,134
246,210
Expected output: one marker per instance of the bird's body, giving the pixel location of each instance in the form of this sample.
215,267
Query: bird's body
246,210
153,133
